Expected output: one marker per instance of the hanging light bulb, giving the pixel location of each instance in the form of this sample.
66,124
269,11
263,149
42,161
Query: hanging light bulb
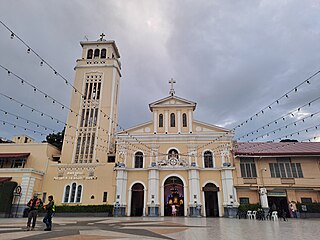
28,50
9,73
12,35
41,63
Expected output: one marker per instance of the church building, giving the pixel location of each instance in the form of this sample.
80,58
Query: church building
169,164
172,165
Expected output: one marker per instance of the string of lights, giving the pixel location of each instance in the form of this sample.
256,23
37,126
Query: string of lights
43,61
22,127
277,101
32,108
284,118
298,132
27,120
267,146
283,127
253,145
269,107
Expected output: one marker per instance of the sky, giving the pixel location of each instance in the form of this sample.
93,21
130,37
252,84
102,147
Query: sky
234,58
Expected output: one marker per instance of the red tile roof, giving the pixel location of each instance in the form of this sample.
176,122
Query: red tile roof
5,179
277,149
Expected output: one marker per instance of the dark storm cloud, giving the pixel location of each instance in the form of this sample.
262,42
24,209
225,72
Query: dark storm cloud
232,57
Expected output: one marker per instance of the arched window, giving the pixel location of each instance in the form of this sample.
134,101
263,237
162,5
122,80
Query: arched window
79,193
173,153
208,159
74,196
172,120
184,120
96,53
161,120
89,54
103,53
73,192
66,194
138,160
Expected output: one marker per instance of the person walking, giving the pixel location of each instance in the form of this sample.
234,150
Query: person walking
34,204
50,209
174,210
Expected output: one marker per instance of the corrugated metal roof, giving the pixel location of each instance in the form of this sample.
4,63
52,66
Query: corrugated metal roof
14,155
281,148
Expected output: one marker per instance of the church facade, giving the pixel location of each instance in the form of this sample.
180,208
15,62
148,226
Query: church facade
175,164
167,164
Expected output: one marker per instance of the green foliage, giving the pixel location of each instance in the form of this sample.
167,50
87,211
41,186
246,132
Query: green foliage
311,207
247,207
84,208
56,139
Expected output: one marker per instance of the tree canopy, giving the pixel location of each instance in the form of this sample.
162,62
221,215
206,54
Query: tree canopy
56,139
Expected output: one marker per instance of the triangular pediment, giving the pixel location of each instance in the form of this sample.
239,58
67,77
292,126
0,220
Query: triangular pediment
172,101
206,127
144,128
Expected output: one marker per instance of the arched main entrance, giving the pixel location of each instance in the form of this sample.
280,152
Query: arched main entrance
211,200
137,199
173,196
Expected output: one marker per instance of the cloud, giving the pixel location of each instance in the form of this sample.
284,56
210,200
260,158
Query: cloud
231,57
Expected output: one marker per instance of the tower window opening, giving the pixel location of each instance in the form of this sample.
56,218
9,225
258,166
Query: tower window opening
103,53
96,53
89,54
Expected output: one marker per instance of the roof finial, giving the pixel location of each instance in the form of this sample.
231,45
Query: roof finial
101,36
172,92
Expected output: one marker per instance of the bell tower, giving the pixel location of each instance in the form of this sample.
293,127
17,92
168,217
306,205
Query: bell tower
92,120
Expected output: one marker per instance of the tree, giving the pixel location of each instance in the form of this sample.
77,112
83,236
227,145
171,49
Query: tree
56,139
289,140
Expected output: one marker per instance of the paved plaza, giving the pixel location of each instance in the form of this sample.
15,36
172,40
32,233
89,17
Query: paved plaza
162,228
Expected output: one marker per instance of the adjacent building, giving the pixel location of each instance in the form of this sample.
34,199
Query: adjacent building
289,172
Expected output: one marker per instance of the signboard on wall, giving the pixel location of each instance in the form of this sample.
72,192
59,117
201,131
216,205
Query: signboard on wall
276,194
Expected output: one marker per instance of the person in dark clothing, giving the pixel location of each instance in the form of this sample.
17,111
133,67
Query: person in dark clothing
50,208
284,215
34,205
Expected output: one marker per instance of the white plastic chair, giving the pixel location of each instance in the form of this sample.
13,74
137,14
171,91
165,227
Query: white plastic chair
274,216
249,214
254,213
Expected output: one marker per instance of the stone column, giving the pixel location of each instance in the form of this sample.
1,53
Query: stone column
166,121
179,121
194,190
121,193
229,201
153,193
155,121
190,120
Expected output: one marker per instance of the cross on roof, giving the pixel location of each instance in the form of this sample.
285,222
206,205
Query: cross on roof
101,36
172,92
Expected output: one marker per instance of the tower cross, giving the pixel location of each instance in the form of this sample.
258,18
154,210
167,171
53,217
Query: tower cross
172,92
101,36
